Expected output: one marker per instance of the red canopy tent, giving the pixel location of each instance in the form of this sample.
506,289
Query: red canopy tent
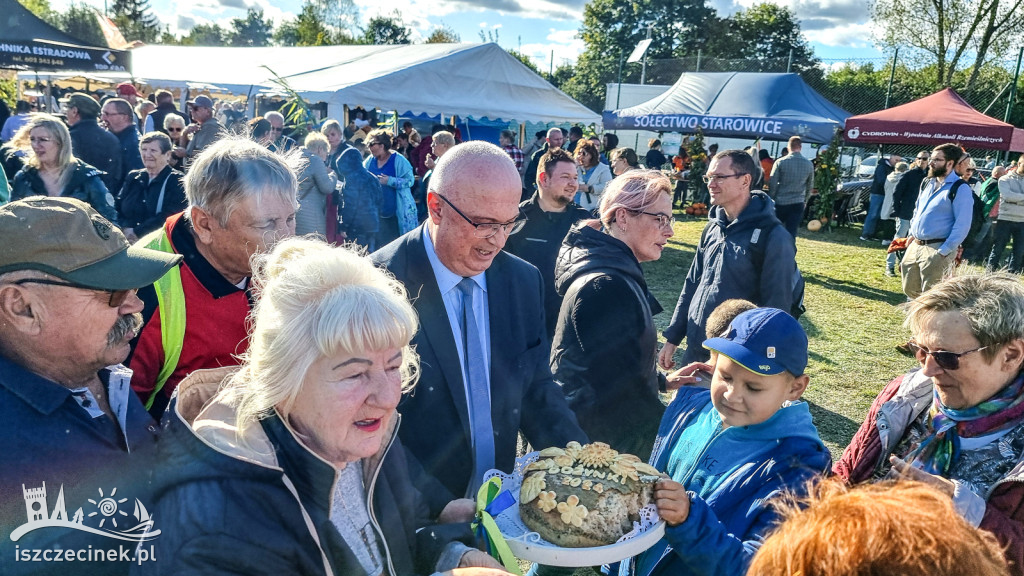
933,120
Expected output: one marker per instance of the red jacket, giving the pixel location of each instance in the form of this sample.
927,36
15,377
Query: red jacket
215,313
1004,510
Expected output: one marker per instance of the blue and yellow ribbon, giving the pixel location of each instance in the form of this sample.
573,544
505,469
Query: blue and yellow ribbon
491,500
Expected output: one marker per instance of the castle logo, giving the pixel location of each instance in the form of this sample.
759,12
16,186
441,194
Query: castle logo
105,516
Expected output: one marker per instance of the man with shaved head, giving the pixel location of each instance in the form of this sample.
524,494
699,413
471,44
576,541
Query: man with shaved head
482,343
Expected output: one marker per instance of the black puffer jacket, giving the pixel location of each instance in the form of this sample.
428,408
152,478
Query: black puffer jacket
605,345
224,505
84,184
140,197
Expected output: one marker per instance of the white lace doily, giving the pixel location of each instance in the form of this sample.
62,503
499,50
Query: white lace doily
528,545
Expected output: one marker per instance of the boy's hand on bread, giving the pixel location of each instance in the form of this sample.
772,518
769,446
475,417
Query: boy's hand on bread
672,501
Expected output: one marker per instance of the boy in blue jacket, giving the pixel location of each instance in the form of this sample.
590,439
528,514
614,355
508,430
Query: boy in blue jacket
731,449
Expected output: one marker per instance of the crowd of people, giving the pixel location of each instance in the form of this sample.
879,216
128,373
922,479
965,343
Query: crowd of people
303,357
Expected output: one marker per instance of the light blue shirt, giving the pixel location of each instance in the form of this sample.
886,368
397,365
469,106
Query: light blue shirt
936,217
447,283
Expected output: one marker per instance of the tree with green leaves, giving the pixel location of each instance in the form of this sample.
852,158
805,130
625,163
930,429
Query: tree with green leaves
386,30
766,34
205,35
79,21
948,33
340,16
135,20
443,35
253,30
612,28
310,29
43,10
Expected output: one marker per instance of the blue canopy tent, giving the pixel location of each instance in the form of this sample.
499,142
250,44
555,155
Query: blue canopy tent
735,105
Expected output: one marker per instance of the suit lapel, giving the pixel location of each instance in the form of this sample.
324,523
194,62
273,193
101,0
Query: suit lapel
435,327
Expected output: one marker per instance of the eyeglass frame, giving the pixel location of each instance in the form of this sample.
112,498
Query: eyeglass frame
116,300
950,360
707,179
509,228
664,220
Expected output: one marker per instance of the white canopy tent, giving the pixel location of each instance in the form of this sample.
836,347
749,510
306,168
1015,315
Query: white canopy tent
472,80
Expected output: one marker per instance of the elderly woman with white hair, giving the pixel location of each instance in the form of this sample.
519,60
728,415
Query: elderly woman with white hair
316,183
290,463
605,343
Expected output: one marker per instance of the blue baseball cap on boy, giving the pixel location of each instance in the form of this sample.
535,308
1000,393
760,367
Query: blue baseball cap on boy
765,341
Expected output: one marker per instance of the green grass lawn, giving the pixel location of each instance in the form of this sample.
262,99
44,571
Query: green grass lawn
853,319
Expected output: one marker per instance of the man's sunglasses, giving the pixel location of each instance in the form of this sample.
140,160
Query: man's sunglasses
117,297
945,360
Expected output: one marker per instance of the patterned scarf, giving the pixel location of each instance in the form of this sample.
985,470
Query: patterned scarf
939,451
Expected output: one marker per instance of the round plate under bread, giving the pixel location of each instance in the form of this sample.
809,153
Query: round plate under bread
528,545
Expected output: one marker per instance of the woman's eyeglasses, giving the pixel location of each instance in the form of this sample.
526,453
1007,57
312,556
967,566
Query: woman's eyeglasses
946,360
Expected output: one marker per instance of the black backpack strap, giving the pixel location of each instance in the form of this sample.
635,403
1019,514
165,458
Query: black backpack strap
956,186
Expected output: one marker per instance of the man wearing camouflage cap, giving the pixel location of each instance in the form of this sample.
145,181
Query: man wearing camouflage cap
79,442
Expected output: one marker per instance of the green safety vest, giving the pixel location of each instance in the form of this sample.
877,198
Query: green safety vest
170,297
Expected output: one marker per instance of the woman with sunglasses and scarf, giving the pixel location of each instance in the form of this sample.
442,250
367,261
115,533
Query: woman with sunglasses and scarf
958,422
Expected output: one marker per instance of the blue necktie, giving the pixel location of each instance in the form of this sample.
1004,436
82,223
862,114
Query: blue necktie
475,369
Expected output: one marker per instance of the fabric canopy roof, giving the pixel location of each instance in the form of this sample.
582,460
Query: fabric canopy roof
735,105
28,43
937,119
473,80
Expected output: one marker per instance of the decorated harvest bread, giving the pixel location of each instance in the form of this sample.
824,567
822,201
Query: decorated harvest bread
584,496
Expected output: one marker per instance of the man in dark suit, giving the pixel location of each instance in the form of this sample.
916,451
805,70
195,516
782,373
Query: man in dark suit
482,343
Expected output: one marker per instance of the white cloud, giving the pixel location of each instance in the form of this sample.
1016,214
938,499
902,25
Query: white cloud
497,26
564,44
846,35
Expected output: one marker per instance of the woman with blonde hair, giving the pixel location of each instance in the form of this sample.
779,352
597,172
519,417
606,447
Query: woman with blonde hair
51,170
316,184
291,463
605,343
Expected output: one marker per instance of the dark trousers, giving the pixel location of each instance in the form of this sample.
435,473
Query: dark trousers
1005,231
388,230
790,215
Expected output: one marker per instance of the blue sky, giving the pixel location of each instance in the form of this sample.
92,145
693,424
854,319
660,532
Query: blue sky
837,29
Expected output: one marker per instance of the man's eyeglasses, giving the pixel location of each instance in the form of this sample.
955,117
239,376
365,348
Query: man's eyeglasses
709,177
117,297
945,360
488,230
939,160
664,220
925,158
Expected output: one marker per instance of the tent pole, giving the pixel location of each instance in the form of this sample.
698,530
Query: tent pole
698,60
892,75
522,134
789,64
1013,94
643,70
618,96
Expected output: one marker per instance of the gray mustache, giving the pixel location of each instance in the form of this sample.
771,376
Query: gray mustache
124,325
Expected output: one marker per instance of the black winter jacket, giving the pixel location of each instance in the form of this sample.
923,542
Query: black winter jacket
84,184
727,265
224,505
97,147
139,197
605,345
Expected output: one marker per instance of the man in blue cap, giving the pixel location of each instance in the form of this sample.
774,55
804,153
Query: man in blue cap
730,450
